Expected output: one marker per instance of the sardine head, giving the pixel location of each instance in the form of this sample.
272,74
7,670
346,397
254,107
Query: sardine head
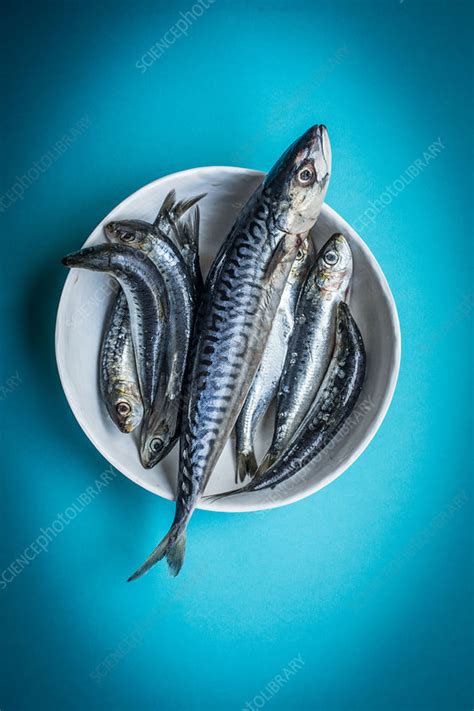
133,233
303,261
334,266
125,406
155,442
298,182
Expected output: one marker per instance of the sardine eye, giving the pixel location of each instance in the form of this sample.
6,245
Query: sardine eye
299,255
331,258
127,237
123,408
155,445
306,176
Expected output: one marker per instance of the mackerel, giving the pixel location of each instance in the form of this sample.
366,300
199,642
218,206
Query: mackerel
240,301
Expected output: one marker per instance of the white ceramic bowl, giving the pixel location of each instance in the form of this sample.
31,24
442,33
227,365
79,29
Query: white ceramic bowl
86,297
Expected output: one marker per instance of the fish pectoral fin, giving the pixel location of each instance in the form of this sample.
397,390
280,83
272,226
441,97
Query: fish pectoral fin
285,251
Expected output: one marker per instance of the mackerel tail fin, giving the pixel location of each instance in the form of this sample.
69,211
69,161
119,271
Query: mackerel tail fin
246,466
172,547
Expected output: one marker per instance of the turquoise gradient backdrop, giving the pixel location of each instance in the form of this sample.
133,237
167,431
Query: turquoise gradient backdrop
368,582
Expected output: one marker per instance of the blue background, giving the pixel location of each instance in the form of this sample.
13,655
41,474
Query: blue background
358,580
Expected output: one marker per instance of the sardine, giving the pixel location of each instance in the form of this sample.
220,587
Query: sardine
160,430
311,343
240,301
119,388
147,304
265,384
334,403
118,380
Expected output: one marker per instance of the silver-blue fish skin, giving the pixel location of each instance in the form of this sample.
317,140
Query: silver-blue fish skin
265,383
311,344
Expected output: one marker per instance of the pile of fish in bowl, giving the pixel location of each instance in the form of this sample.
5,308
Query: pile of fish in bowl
190,361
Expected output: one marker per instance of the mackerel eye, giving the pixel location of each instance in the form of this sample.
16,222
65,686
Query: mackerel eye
127,237
331,258
306,176
123,408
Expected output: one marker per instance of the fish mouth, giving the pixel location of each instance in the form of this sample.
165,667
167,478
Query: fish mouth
126,428
73,260
316,137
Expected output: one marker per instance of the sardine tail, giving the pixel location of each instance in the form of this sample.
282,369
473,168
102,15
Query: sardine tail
167,206
211,498
184,205
172,547
246,466
268,460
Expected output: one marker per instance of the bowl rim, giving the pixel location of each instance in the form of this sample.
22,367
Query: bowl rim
222,505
